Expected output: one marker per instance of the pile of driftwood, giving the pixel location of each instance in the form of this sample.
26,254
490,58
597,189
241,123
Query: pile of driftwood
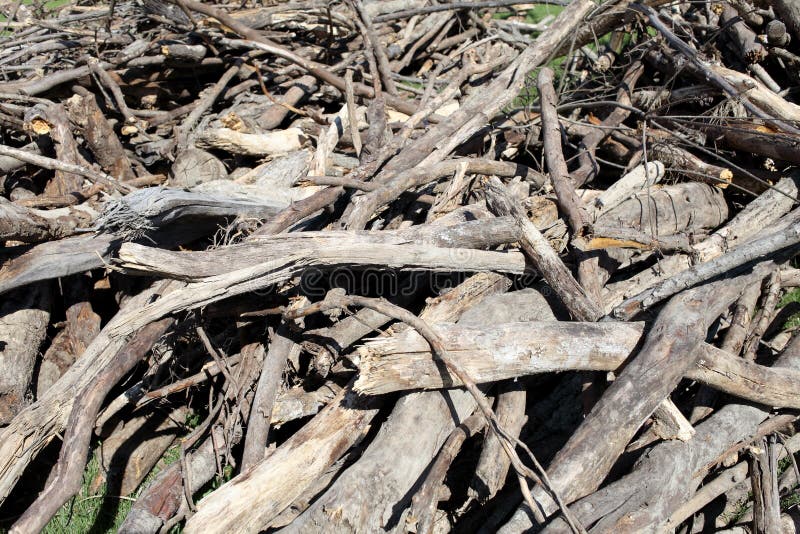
402,265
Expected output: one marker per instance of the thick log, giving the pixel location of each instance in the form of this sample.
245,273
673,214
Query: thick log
24,317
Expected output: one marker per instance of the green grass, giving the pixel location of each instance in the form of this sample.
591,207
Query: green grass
86,510
789,297
44,7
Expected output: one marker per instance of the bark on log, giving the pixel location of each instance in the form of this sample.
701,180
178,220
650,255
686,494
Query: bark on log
24,317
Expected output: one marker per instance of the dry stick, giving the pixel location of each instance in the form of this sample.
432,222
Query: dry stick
764,479
351,111
380,53
72,459
709,73
732,262
54,164
543,256
473,115
568,201
337,301
280,348
765,316
423,504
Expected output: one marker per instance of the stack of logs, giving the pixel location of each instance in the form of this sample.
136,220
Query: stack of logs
402,265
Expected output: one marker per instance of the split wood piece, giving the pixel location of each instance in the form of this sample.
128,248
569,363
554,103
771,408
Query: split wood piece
24,317
35,426
327,141
422,514
67,478
494,463
297,403
251,144
568,201
274,115
51,120
417,176
544,258
778,244
669,350
317,445
129,454
672,470
764,479
669,422
640,178
100,136
82,325
280,350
